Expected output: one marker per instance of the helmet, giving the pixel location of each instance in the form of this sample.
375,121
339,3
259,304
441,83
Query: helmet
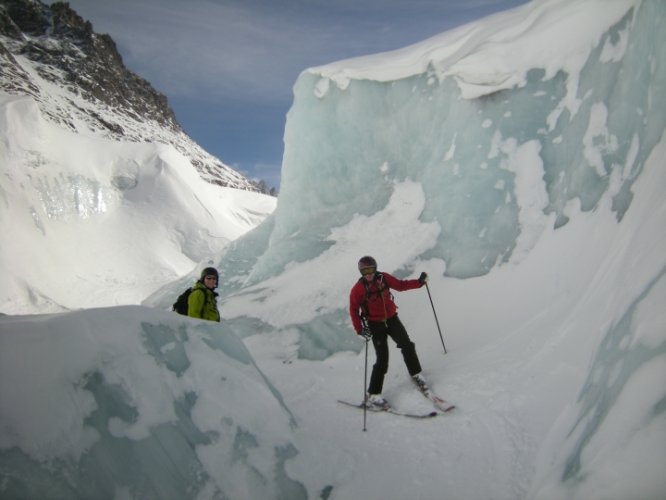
209,271
367,261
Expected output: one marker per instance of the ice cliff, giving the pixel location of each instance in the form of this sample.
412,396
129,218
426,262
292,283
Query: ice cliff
504,127
459,113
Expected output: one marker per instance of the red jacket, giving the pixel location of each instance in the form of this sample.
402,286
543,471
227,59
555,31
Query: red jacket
379,305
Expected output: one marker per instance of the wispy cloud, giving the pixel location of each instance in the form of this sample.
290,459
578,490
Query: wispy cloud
255,50
186,48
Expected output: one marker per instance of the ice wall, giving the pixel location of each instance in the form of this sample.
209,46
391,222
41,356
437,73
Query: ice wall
130,402
475,125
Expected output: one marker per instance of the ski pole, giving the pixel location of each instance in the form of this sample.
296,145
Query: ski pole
436,320
365,384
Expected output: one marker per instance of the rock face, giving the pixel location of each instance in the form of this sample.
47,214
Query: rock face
79,81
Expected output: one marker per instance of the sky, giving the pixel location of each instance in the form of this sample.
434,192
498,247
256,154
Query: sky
228,67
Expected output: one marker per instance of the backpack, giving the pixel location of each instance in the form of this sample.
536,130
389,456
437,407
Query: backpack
181,306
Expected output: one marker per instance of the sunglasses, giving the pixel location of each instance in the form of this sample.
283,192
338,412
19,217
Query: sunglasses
365,271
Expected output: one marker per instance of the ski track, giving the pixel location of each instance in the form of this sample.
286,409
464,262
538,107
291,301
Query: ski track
447,453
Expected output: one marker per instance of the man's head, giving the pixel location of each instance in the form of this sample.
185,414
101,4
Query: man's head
209,277
367,266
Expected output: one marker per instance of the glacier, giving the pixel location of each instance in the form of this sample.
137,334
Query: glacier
463,150
473,147
500,156
519,160
134,413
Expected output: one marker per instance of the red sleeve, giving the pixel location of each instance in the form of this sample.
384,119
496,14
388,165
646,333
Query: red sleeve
356,297
401,285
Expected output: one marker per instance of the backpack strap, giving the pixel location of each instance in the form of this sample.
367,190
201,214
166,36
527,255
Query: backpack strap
379,278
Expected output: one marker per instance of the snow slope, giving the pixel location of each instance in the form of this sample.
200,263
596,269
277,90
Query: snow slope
98,210
537,211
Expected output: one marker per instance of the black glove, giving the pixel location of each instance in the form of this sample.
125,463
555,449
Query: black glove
423,279
366,333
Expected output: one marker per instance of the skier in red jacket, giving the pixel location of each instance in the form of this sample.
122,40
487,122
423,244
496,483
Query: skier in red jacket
374,316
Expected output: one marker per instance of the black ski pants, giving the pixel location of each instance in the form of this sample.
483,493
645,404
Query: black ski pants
393,328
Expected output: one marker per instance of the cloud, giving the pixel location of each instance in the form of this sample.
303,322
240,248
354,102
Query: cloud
254,50
203,46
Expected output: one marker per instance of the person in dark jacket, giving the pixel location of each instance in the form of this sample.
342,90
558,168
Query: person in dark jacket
374,317
202,302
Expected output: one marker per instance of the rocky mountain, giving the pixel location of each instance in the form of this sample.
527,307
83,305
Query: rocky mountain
79,81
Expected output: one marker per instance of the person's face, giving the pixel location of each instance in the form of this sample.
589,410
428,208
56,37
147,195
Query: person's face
368,272
210,281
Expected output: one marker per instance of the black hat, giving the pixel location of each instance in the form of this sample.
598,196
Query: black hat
209,271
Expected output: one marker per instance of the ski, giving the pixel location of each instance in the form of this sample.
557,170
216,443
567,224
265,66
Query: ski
391,410
440,403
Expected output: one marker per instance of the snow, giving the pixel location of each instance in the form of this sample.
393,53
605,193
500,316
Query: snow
485,57
540,224
101,208
130,397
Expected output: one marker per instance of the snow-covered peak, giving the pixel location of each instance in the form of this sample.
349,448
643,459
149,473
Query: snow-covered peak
79,81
